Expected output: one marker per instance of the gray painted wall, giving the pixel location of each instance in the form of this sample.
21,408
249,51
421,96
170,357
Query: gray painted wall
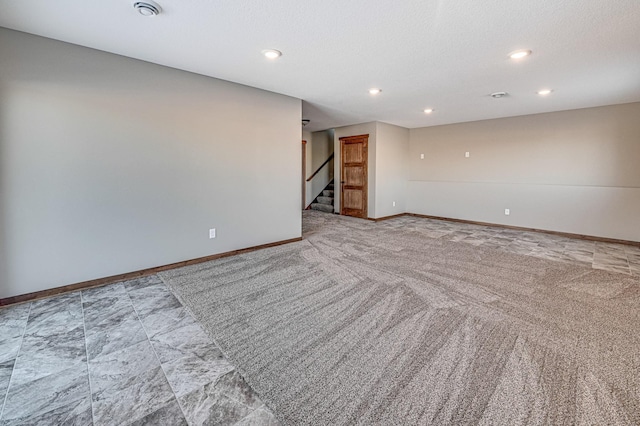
392,173
572,171
110,165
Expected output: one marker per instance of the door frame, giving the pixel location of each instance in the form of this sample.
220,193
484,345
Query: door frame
304,174
365,191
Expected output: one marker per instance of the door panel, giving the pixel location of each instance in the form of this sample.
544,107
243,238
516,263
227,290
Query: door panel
354,175
353,153
353,199
353,172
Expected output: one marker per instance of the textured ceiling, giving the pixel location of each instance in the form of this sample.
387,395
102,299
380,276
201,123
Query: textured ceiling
444,54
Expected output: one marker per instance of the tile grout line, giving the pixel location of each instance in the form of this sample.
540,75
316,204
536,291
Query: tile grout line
156,353
240,402
86,351
13,369
234,370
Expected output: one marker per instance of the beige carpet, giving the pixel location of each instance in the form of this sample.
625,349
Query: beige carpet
369,323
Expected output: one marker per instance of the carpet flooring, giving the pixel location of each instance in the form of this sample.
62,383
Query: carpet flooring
374,323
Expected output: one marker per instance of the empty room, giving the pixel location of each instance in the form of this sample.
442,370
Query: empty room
320,213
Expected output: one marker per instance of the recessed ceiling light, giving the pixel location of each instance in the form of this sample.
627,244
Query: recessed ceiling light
519,54
544,92
498,95
428,110
374,91
147,8
272,53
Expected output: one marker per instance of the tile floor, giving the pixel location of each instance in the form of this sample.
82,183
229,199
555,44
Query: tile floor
130,354
621,258
123,354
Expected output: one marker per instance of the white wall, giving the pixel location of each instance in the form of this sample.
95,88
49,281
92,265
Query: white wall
110,165
357,129
392,173
571,171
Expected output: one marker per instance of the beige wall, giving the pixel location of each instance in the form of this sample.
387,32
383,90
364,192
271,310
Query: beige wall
392,173
573,171
110,165
358,129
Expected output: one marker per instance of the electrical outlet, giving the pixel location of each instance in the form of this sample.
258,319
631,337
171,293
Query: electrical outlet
212,233
394,204
466,154
422,156
507,212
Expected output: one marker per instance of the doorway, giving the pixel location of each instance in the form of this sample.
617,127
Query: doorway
353,175
304,175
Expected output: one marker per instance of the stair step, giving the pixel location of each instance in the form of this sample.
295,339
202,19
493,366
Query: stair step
322,207
327,193
330,186
325,200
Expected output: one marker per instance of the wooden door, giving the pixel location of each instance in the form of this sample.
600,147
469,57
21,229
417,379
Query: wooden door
353,175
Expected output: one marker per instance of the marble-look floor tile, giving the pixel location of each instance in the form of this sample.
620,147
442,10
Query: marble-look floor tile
118,337
189,373
111,321
76,413
259,417
608,260
106,312
187,340
634,259
580,255
612,268
6,368
121,365
139,283
165,320
112,291
570,244
52,316
42,356
617,253
609,247
67,388
54,340
227,401
171,414
131,399
13,322
152,298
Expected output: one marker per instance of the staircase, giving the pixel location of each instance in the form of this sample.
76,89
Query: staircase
324,201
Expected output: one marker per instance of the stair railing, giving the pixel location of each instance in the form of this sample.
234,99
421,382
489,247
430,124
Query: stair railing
320,168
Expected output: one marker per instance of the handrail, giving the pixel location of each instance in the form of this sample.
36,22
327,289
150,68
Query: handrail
320,168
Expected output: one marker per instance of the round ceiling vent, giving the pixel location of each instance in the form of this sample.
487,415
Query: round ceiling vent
498,95
147,8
